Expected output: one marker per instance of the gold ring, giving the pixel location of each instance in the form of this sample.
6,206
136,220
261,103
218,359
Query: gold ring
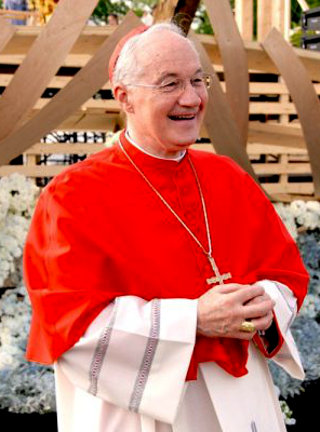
247,326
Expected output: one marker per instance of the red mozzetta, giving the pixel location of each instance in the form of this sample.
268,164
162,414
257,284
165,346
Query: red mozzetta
100,232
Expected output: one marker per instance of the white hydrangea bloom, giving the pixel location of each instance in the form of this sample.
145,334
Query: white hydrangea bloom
24,387
287,218
300,214
298,209
18,196
312,214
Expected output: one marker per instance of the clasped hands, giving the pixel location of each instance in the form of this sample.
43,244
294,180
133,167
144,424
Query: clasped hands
223,308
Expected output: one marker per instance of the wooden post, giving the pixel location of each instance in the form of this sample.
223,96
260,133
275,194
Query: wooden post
281,20
287,19
274,14
277,15
283,162
30,161
244,18
281,17
264,18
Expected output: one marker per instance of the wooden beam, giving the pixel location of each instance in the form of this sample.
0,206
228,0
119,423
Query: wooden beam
219,121
254,149
275,134
6,33
255,87
92,38
272,108
64,148
88,121
303,95
282,168
42,62
88,42
32,171
290,188
87,82
234,61
110,105
82,148
244,18
96,105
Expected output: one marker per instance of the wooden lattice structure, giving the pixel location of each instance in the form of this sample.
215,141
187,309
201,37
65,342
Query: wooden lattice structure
267,147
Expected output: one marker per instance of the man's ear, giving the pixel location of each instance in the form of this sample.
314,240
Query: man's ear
121,94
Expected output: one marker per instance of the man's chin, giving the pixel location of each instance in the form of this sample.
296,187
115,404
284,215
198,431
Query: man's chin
187,142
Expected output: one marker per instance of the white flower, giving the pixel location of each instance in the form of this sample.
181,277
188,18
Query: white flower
298,209
17,200
300,214
287,218
312,215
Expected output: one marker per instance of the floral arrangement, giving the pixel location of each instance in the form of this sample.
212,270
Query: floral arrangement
28,387
24,387
303,222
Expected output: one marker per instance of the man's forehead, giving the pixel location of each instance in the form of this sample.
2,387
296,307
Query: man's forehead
166,42
168,53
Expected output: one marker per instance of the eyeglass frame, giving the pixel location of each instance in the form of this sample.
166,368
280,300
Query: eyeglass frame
206,79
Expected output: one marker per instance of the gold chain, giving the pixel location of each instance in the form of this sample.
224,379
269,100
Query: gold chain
204,209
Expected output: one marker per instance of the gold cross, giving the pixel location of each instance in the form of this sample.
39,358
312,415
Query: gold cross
219,277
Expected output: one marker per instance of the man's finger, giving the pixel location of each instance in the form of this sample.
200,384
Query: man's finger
230,288
258,310
248,292
264,322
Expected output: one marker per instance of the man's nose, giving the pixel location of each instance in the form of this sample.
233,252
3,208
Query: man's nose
189,96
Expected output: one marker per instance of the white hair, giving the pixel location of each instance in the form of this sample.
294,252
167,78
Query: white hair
127,64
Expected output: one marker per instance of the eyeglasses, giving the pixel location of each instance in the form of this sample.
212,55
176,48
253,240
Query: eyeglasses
178,85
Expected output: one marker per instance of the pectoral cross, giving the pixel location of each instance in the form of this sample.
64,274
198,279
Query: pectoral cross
220,278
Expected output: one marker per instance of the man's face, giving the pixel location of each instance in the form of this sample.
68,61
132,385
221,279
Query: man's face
166,123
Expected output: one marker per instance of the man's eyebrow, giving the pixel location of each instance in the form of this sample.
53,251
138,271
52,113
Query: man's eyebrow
167,75
198,71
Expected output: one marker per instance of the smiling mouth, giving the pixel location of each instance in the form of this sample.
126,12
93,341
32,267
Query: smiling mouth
182,117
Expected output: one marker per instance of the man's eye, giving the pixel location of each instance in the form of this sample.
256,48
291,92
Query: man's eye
169,86
196,81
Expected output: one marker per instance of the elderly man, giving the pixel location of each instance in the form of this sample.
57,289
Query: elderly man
161,277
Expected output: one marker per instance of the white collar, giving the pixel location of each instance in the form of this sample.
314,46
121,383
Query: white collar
175,158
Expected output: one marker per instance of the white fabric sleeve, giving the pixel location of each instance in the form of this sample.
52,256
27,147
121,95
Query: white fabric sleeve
285,310
136,354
